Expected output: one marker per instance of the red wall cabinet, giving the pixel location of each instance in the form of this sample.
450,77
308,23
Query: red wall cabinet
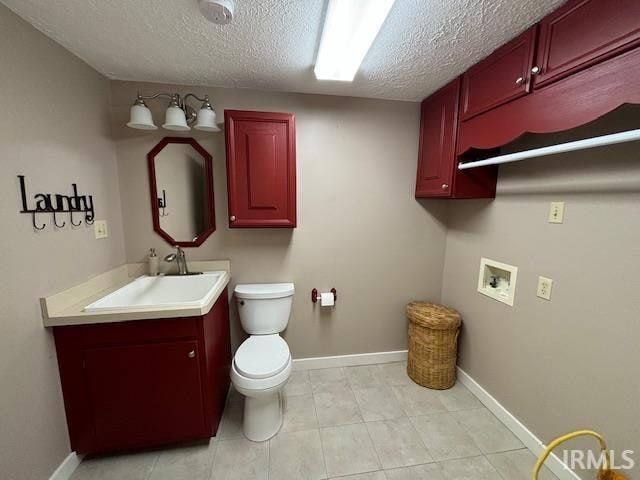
143,383
582,33
438,175
586,64
261,168
437,150
501,77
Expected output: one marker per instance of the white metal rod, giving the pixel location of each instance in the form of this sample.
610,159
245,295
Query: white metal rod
612,139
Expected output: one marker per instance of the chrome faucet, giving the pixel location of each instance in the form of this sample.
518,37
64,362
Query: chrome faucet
180,260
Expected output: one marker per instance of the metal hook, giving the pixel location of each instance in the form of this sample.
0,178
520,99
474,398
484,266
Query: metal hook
55,222
33,218
71,219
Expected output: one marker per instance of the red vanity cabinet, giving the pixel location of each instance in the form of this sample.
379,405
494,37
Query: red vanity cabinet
261,168
582,33
145,382
501,77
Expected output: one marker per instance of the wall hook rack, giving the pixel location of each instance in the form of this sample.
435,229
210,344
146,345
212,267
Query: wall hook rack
162,203
74,223
57,203
315,295
55,222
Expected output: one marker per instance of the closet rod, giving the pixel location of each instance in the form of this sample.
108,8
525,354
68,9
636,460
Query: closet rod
611,139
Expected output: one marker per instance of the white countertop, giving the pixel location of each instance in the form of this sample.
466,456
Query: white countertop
67,307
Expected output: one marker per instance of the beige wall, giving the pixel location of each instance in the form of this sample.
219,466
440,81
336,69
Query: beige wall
359,227
54,129
573,362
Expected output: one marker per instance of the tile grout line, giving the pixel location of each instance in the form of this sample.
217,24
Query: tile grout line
269,456
375,452
153,467
315,413
213,460
313,399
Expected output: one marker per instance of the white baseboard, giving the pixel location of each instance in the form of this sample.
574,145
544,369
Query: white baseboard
533,443
349,360
67,467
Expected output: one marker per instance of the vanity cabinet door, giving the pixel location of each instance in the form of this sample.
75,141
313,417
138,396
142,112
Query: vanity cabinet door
144,394
261,168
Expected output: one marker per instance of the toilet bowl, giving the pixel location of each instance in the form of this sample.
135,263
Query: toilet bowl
262,364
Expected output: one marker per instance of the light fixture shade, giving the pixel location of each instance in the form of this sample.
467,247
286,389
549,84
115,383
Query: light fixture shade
175,119
206,120
140,118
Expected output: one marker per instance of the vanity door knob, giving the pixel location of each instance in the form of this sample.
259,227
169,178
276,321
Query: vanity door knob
232,218
519,80
191,354
535,70
445,186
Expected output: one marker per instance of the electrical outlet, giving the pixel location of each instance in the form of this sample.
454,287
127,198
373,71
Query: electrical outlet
556,212
100,229
544,287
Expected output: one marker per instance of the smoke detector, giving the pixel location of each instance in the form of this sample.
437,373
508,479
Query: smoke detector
217,11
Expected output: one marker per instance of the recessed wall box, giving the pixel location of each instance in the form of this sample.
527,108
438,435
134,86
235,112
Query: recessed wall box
497,280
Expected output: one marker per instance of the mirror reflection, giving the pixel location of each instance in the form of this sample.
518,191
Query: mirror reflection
183,213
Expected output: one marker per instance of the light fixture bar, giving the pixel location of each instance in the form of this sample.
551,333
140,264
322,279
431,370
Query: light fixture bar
350,27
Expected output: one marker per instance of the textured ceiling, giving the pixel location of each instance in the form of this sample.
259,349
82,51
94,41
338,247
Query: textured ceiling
271,44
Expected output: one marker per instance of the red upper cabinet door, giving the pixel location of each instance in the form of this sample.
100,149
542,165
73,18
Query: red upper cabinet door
261,168
501,77
437,151
584,32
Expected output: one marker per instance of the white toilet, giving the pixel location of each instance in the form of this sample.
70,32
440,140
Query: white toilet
262,364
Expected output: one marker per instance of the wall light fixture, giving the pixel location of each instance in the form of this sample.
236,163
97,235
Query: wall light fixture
179,116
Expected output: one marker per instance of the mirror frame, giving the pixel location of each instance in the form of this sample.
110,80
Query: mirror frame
155,213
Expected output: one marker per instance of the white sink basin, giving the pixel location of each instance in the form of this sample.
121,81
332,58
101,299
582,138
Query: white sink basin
161,291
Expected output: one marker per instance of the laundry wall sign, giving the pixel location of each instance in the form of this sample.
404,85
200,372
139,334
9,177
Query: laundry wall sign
56,203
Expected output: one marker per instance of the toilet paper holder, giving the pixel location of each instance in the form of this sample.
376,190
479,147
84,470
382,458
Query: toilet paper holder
315,296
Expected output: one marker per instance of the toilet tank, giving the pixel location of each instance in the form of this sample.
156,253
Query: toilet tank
264,308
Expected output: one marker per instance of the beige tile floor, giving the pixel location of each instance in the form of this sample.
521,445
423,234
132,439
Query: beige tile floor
360,423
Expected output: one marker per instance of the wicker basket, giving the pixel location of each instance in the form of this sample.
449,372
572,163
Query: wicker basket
433,341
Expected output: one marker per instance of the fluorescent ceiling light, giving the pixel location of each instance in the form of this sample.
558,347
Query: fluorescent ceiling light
350,27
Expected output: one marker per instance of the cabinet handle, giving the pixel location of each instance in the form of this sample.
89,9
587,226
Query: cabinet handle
519,81
445,186
191,354
232,218
535,70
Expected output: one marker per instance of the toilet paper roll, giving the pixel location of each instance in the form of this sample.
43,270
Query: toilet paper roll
326,299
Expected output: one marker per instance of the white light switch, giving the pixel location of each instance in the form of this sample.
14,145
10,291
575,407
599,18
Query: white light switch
544,287
556,212
100,229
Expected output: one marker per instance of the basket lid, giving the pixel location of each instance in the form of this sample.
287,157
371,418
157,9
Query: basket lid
433,315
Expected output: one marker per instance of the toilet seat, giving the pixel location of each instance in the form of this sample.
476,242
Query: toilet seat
262,356
252,386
